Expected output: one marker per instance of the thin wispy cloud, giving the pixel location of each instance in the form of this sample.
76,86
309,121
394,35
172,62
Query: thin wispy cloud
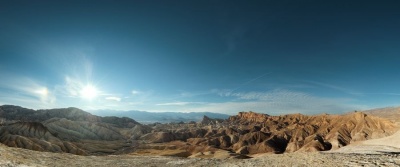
179,103
113,98
279,101
335,87
25,89
250,81
135,92
274,95
274,102
195,93
17,99
389,94
312,106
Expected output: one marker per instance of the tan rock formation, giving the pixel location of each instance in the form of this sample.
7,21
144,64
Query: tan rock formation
253,133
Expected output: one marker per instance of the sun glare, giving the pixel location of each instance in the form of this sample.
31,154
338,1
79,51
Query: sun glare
89,92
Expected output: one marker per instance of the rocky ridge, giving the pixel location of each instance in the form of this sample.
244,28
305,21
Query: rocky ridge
252,133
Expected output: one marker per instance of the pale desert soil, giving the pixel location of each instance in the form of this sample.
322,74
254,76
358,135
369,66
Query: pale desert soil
23,157
376,152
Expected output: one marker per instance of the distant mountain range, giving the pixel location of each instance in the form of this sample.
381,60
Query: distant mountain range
161,117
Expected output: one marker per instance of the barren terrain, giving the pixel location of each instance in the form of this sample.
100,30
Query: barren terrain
23,157
72,137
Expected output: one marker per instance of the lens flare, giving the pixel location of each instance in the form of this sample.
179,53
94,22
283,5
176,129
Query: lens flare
42,91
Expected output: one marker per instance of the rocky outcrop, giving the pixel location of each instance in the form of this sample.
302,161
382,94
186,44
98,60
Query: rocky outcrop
210,121
252,133
249,117
138,131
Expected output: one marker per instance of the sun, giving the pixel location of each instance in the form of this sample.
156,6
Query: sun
89,92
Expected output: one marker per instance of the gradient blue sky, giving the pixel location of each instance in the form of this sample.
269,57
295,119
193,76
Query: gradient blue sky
274,57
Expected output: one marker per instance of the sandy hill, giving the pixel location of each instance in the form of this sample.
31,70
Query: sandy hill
389,144
391,113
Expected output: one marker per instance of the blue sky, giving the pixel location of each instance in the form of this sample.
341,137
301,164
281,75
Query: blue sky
274,57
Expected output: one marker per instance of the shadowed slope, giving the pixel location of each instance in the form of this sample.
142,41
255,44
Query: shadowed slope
35,136
64,130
